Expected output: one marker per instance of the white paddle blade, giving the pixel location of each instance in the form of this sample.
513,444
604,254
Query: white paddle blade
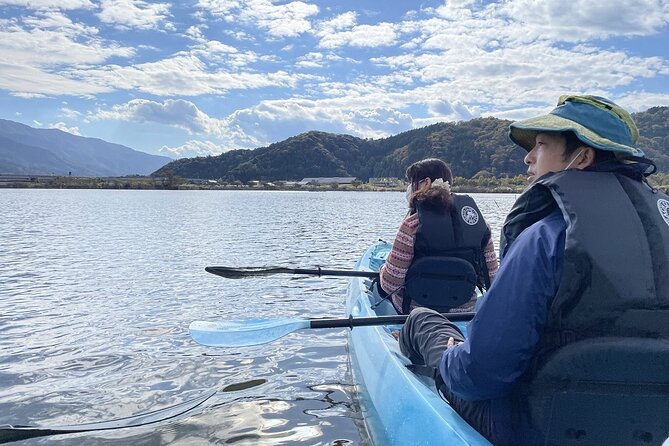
243,333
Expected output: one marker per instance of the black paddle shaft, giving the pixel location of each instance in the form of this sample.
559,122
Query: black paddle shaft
351,321
238,273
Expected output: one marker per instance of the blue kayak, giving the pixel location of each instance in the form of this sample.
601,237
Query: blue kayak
399,407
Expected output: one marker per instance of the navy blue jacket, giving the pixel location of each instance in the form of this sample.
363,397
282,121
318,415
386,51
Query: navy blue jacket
503,335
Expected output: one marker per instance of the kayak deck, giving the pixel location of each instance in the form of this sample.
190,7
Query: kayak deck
399,407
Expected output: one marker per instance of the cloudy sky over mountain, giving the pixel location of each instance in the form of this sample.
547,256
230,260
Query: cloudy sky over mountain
193,78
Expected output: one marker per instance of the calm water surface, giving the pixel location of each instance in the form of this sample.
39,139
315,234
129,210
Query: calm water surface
98,288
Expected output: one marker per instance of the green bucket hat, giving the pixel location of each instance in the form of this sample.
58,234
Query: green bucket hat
596,121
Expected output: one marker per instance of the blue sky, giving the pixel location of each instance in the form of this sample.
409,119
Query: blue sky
195,78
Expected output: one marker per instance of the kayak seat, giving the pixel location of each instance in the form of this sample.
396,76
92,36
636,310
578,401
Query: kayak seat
603,391
440,283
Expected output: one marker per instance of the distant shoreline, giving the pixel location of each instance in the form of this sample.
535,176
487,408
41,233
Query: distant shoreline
513,185
487,185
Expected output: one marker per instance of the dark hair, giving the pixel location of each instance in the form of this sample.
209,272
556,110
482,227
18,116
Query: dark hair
433,198
572,143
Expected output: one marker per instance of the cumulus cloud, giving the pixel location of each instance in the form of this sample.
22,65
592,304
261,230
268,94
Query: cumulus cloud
638,101
193,148
33,53
310,60
176,113
63,127
66,43
133,13
50,4
278,20
583,19
57,22
271,121
382,34
340,22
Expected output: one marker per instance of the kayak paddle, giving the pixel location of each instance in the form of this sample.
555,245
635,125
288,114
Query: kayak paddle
261,331
238,273
10,432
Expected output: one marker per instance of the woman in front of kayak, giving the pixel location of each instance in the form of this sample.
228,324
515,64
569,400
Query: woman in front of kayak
438,223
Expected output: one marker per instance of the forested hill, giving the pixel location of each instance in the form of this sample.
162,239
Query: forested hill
471,147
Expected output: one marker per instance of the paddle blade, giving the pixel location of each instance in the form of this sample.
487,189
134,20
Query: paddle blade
239,273
243,333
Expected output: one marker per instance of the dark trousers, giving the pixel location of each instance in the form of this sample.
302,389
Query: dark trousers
423,340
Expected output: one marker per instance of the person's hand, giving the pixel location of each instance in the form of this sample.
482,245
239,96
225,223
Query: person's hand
396,334
451,342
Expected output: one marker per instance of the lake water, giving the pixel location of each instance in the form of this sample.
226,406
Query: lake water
98,288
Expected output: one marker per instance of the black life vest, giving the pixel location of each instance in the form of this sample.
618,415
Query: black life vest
448,258
611,311
616,260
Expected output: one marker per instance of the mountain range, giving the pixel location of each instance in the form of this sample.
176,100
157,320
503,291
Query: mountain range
25,150
472,148
477,147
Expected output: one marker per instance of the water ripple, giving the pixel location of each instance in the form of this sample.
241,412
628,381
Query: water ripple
99,287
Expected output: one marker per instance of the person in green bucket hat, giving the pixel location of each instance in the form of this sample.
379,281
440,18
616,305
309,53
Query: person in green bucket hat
594,125
570,345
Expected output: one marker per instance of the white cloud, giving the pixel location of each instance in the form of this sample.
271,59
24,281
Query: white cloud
219,7
637,101
62,42
69,113
57,22
27,81
32,59
515,75
455,10
50,4
310,60
519,111
182,76
382,34
578,20
133,13
176,113
272,121
193,148
341,22
280,21
63,127
197,32
218,53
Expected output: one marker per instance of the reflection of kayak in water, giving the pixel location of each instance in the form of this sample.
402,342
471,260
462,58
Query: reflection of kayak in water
399,407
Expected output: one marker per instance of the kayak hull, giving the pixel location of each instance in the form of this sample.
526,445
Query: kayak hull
399,407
